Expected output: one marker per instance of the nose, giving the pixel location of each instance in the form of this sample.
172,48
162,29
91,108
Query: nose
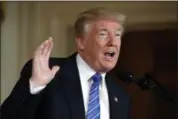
112,40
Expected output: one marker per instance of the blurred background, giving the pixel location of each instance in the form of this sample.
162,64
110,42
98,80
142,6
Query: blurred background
149,46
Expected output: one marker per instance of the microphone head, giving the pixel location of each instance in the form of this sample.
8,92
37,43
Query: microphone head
125,76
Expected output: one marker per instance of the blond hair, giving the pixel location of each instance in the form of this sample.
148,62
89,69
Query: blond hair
95,14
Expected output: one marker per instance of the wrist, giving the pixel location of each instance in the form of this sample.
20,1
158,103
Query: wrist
37,82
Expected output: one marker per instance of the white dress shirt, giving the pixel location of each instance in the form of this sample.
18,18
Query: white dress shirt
85,73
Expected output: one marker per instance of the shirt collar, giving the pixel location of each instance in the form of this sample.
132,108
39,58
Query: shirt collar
86,72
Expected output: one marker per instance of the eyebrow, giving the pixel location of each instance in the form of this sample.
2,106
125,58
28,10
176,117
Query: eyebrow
104,29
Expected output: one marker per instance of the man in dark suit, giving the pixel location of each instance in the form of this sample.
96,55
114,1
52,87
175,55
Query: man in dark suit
76,87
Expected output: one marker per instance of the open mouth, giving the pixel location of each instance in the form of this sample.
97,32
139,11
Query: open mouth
109,55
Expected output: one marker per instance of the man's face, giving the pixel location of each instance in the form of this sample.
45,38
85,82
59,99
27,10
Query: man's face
100,46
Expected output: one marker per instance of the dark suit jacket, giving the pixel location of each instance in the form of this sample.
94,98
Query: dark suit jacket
62,98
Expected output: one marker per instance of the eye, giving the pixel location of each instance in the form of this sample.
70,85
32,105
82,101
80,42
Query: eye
103,35
118,35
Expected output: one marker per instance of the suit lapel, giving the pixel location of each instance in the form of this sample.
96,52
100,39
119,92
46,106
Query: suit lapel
115,100
73,92
72,88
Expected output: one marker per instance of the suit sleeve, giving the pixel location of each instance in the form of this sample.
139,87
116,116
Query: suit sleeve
21,104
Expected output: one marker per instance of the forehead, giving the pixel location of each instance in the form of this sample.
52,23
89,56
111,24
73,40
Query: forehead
107,24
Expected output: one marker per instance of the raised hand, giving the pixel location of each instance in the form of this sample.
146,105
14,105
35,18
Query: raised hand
41,73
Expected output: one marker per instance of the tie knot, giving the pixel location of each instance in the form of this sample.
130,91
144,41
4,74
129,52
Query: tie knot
97,77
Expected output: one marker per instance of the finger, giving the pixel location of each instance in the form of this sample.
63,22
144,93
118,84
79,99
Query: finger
49,49
55,69
37,53
39,50
46,47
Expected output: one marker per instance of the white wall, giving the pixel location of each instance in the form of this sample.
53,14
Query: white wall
27,24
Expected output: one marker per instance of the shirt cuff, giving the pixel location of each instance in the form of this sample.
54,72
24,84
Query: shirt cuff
34,89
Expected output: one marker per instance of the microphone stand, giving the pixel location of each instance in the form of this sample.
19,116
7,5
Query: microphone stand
148,83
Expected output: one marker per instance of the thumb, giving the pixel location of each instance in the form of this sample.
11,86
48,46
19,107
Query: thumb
55,69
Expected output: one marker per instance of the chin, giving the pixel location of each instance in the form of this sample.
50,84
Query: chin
109,67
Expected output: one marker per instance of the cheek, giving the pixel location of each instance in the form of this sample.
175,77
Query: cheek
101,43
100,48
97,51
118,44
96,45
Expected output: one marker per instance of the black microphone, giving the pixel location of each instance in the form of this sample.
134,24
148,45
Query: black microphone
147,82
126,77
144,83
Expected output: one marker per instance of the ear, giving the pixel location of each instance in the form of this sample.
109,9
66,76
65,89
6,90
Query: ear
80,43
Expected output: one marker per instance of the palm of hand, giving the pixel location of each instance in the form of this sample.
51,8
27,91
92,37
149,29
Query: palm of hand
41,73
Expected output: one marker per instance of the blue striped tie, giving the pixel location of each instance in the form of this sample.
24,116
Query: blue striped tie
94,104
